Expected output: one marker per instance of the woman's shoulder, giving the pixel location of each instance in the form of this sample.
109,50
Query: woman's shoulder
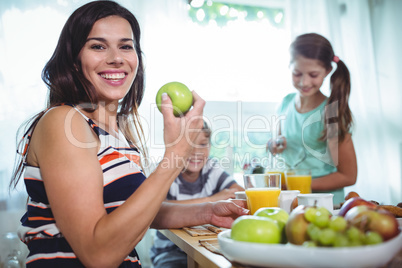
62,114
59,129
63,121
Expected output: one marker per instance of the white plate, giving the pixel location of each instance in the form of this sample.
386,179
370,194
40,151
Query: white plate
279,255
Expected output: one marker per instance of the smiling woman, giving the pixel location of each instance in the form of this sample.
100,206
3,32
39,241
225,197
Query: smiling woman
117,51
90,202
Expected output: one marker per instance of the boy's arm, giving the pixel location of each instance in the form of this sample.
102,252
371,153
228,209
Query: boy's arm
222,195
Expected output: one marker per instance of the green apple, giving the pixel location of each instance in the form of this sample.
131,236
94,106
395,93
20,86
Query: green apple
274,213
256,229
181,97
278,214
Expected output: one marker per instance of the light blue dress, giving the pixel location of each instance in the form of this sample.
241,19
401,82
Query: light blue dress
302,132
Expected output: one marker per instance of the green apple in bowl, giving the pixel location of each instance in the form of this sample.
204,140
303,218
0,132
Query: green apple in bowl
278,214
256,229
181,96
274,213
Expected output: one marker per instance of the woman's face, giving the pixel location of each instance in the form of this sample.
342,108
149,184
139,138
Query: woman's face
108,59
199,154
308,75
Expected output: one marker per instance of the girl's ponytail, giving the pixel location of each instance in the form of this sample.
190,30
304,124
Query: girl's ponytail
338,116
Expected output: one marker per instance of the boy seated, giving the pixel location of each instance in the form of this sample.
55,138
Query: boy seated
203,180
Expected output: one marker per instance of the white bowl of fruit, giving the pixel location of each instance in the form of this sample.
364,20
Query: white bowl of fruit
362,234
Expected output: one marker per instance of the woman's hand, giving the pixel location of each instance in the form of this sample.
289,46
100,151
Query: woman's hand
223,213
180,132
277,146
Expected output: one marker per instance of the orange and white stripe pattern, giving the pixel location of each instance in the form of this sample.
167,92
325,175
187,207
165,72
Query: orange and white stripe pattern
122,175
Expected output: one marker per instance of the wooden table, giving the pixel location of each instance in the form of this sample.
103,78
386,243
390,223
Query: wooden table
197,255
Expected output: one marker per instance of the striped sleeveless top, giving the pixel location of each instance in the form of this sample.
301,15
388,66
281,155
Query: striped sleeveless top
122,175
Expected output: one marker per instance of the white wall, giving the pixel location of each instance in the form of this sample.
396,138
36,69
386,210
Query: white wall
387,39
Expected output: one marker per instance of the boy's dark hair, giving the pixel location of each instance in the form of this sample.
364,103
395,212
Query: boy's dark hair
207,130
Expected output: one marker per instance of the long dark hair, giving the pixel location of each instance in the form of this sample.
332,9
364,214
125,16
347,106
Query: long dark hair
67,84
338,120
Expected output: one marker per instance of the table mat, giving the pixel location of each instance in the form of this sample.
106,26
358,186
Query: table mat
211,244
214,229
198,231
201,230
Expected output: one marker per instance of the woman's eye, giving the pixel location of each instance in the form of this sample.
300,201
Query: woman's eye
97,47
127,47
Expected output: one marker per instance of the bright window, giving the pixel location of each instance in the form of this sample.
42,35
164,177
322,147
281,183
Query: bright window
248,76
239,52
233,53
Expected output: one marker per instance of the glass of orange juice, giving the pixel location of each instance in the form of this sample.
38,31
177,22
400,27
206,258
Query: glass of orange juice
280,171
299,179
262,190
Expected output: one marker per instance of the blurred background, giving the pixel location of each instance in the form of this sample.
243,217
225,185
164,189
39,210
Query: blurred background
234,53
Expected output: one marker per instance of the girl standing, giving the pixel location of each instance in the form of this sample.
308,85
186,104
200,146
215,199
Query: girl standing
315,127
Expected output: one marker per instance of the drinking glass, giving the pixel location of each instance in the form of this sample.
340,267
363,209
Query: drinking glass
10,251
280,171
299,179
262,190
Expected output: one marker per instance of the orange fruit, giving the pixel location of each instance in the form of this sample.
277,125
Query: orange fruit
351,195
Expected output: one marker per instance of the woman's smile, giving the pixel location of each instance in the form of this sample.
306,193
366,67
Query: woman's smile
114,78
108,59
